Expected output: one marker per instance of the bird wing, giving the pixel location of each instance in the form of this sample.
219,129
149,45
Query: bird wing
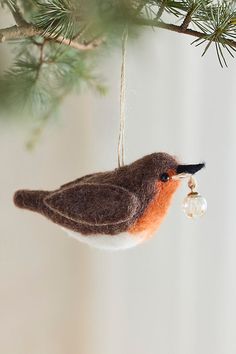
94,204
77,180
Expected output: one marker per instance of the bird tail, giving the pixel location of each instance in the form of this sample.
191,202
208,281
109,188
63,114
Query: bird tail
32,200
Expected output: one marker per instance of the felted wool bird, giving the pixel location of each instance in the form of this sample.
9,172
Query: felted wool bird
116,209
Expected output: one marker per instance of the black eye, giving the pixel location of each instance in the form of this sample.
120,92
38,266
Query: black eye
165,177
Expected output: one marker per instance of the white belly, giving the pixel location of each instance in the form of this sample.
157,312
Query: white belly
107,242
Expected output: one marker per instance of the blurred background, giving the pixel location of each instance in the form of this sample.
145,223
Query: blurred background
176,293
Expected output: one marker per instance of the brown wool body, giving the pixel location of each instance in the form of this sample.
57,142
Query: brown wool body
129,199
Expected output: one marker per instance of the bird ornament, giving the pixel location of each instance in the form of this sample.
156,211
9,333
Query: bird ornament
113,210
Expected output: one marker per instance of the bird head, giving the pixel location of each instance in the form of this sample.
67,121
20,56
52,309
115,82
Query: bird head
169,172
166,173
160,172
165,168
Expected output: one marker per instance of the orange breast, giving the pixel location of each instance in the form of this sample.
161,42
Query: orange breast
156,210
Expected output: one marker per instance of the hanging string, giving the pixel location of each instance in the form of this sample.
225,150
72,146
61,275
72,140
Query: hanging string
121,140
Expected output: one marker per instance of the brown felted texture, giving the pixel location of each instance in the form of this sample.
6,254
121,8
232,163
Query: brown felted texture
107,202
32,200
94,204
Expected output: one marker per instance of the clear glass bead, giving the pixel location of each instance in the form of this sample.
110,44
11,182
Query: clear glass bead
194,205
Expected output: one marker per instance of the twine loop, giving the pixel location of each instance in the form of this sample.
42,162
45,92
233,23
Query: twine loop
121,139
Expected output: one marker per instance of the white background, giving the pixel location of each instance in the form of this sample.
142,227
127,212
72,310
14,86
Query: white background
174,294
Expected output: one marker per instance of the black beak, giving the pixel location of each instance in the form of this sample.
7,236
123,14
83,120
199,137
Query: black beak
191,169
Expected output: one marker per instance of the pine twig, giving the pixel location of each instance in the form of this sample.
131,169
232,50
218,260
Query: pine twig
179,29
23,29
161,10
17,32
27,31
188,18
41,58
16,13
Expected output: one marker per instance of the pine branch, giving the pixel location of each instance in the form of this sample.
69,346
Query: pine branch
58,20
55,41
23,29
180,29
40,78
28,31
